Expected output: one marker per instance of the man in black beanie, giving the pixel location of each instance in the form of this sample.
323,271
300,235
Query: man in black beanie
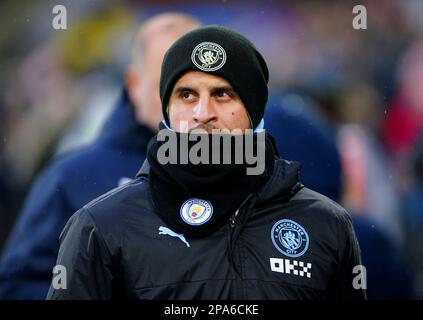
196,224
218,51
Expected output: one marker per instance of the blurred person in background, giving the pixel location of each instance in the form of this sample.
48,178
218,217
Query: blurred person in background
46,83
369,185
370,193
303,135
404,120
74,179
401,129
413,218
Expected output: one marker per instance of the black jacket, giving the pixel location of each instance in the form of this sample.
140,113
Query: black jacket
285,242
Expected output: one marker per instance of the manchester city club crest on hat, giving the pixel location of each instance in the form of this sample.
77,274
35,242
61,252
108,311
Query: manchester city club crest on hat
208,56
196,212
290,238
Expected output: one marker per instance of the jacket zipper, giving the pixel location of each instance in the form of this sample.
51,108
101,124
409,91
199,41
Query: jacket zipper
232,219
232,224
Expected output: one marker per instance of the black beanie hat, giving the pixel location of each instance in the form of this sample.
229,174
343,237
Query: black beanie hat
222,52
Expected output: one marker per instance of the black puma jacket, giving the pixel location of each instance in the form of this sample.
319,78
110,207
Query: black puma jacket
285,242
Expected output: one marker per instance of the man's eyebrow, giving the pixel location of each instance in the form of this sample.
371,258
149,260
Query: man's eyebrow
182,89
224,88
213,89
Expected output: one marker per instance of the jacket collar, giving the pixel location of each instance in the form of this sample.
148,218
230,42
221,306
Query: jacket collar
122,128
284,182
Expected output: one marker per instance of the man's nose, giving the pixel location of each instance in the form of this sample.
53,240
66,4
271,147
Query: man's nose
204,111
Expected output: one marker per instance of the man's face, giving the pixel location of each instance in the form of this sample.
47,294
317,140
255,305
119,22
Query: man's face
147,99
204,101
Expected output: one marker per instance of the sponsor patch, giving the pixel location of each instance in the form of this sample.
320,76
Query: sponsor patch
287,266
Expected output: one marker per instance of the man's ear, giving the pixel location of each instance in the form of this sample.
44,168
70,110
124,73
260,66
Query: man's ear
131,83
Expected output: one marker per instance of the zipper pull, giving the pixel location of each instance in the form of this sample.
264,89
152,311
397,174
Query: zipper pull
232,218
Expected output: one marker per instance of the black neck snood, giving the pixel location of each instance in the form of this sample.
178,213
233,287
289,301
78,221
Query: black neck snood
197,199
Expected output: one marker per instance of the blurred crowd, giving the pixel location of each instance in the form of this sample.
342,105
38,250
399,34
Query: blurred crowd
57,88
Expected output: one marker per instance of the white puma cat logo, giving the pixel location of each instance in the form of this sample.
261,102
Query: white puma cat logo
164,230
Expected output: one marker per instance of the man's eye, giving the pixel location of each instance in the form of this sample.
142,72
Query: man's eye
222,94
186,94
